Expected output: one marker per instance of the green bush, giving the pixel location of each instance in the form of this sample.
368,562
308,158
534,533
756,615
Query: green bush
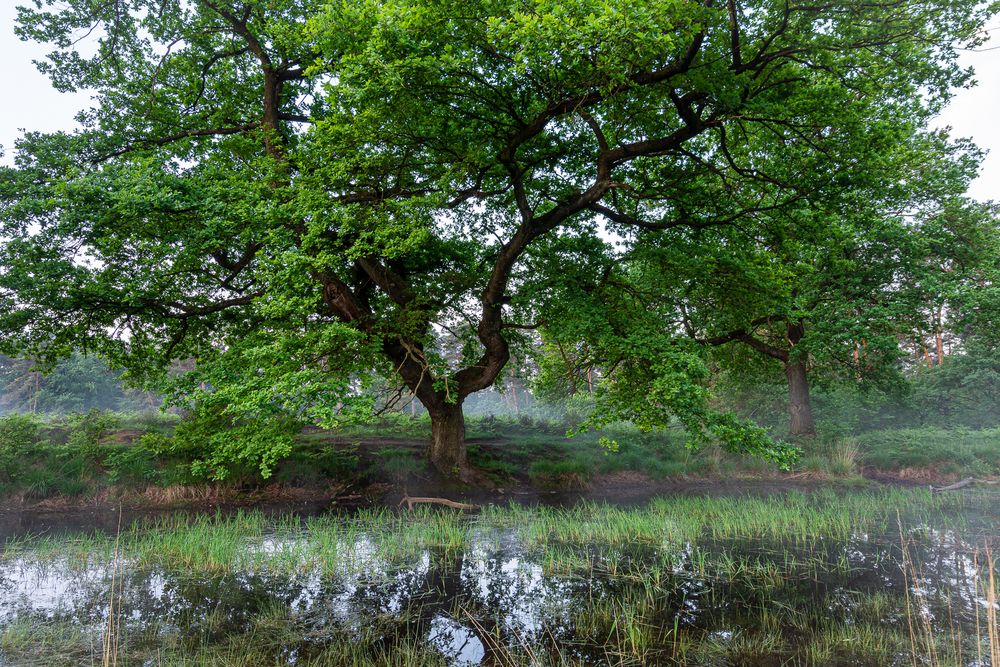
18,432
150,420
87,429
38,482
135,463
216,445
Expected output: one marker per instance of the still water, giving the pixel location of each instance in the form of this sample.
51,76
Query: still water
905,583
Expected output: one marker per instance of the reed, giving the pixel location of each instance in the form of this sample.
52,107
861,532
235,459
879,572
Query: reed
669,583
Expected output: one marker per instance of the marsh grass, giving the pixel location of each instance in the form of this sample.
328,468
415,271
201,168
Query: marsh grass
668,583
249,540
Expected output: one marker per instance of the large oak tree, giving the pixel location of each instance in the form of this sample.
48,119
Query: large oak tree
297,193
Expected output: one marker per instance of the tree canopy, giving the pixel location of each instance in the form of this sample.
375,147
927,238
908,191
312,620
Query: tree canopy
299,194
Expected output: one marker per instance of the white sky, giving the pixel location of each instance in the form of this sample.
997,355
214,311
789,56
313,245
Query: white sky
34,105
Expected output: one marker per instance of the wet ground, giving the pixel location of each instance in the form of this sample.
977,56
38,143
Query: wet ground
508,587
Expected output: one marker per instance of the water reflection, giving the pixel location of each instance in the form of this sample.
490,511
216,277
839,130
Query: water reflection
499,596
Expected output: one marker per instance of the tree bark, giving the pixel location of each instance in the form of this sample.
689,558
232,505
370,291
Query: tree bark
447,450
799,405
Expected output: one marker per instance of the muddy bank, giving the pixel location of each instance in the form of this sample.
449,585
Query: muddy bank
19,516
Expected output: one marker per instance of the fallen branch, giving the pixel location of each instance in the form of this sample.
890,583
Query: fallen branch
968,481
413,500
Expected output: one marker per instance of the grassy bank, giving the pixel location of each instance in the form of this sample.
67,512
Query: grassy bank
113,456
242,542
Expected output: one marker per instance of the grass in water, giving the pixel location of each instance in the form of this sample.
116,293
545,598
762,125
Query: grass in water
799,579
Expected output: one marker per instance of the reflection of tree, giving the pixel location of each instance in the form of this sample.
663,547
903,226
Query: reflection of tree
432,601
213,608
496,605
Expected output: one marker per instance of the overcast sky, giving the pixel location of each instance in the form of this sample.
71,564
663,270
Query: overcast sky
34,105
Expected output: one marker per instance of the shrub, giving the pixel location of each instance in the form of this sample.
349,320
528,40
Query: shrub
571,473
18,432
135,463
151,420
86,429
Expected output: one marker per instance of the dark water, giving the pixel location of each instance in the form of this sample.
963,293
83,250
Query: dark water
914,592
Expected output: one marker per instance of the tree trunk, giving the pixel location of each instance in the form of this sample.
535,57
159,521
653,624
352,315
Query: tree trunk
939,334
447,450
798,399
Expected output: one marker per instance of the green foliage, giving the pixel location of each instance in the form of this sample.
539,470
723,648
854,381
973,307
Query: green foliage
954,451
961,392
150,420
136,464
18,437
77,384
18,433
86,430
651,387
220,446
298,195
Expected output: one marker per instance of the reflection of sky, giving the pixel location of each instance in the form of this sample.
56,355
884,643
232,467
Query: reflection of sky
496,590
454,639
50,588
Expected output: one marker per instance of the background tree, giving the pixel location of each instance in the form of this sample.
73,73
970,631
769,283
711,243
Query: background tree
76,384
950,284
20,384
295,194
822,302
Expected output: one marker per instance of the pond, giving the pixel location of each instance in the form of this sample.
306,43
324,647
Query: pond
824,578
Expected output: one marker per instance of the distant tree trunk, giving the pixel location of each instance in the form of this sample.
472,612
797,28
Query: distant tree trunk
939,335
447,450
570,370
794,362
799,405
